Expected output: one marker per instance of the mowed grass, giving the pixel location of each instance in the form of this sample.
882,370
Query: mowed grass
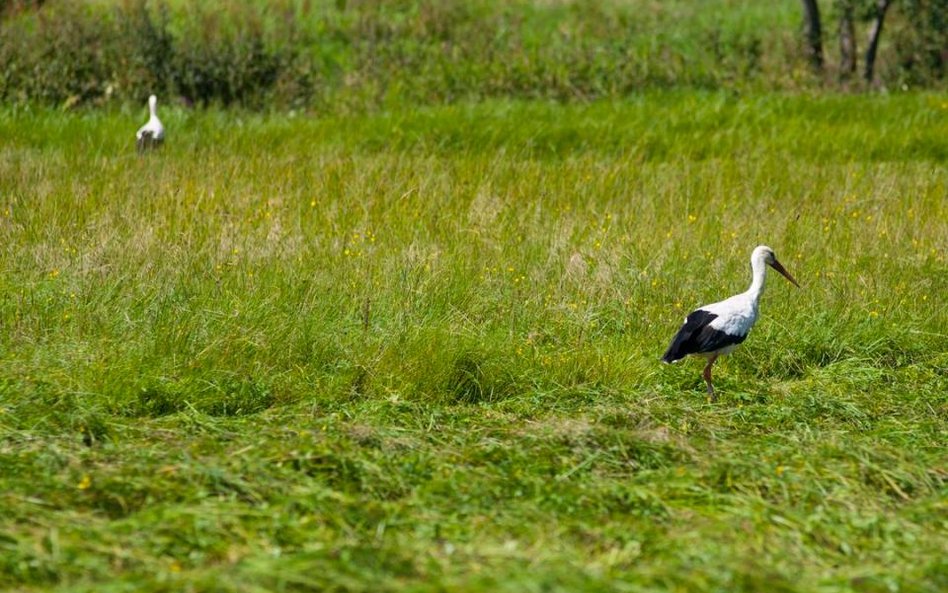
419,350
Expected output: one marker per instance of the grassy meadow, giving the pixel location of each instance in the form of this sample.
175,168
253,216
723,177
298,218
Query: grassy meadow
418,350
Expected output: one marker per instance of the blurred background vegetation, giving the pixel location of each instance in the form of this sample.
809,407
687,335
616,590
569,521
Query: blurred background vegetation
356,55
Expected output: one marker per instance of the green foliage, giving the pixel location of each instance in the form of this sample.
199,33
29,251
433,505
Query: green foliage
339,57
419,350
920,45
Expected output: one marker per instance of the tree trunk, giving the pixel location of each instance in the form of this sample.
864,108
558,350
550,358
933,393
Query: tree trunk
847,41
814,34
882,6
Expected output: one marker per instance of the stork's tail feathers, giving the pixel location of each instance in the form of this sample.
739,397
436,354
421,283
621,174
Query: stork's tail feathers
675,350
672,356
147,140
143,141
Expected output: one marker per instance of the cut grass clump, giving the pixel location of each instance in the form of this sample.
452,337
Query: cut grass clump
215,398
472,380
157,401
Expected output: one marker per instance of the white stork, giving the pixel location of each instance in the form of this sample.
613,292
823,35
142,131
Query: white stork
717,329
152,134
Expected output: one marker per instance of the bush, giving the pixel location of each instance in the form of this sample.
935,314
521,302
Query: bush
921,45
69,54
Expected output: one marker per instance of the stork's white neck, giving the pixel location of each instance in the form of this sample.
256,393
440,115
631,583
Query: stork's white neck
153,106
759,268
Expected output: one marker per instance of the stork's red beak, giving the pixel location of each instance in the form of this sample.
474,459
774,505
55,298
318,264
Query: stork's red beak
779,267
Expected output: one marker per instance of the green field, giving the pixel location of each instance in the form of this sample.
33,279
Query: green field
418,350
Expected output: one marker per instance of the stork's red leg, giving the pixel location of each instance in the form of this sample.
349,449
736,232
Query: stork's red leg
707,377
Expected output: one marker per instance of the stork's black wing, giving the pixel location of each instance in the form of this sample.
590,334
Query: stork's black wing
697,336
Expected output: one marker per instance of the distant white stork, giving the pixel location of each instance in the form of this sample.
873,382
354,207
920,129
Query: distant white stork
717,329
152,134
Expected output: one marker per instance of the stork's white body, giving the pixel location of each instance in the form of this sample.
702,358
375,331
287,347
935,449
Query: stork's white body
717,329
735,316
152,134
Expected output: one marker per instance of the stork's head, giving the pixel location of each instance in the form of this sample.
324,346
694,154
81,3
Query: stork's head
767,255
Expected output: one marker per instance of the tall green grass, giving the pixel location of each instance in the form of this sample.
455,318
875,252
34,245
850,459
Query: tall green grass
419,350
